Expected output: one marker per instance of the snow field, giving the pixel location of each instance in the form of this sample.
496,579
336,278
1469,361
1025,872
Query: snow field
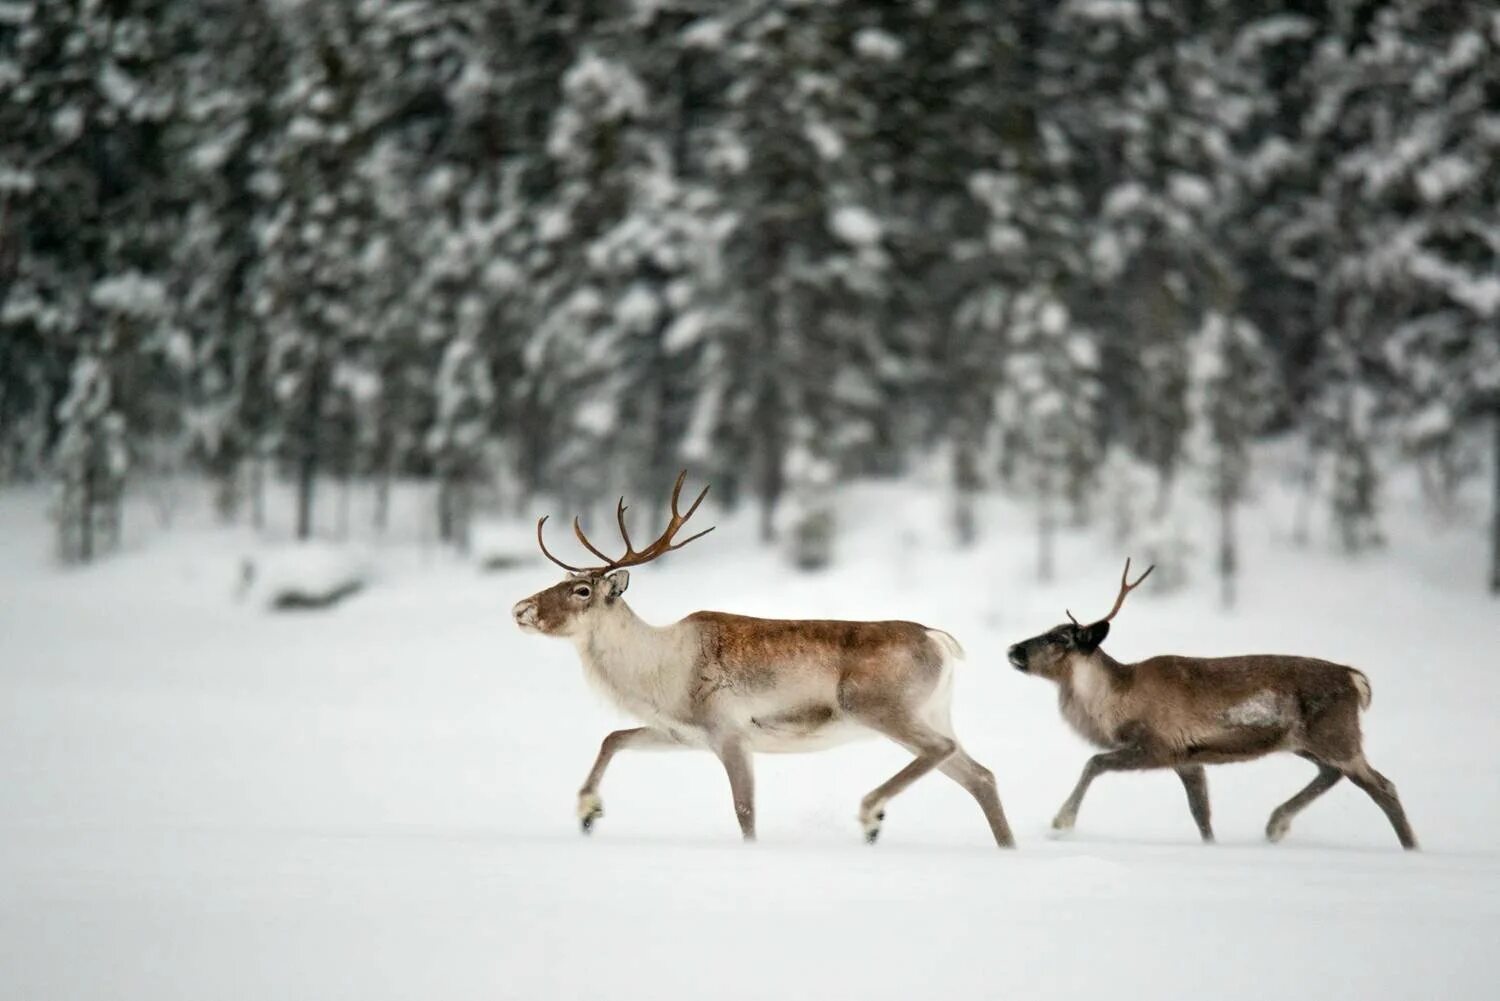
201,799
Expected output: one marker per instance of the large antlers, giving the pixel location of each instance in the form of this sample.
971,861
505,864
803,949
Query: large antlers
633,557
1125,588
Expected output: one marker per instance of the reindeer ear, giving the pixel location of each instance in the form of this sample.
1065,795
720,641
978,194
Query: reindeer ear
1089,637
618,582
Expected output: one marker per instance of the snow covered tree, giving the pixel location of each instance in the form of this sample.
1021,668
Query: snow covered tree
615,256
1230,398
1401,235
1049,410
91,459
87,100
312,289
459,435
1156,131
787,245
231,72
806,251
1347,426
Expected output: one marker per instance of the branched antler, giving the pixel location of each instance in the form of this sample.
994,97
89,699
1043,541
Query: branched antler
1125,588
633,557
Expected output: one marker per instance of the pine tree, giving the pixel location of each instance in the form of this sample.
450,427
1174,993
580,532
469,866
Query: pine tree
1156,130
87,105
595,356
90,459
458,438
317,239
807,248
231,71
1230,400
1049,404
1401,235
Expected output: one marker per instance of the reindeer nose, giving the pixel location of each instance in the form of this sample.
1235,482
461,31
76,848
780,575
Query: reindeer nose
1017,657
523,611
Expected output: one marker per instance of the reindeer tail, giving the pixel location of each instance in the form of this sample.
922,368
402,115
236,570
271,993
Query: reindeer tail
1361,686
946,643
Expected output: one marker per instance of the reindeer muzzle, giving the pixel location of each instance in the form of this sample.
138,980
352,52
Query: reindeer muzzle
524,612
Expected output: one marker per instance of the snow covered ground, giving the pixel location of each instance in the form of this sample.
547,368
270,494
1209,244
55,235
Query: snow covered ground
201,799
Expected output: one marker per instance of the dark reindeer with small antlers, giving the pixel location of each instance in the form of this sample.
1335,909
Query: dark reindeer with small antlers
734,685
1186,712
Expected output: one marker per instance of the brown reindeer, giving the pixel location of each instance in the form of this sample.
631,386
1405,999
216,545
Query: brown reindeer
1186,712
734,685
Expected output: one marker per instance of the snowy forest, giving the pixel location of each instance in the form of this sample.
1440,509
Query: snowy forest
1101,255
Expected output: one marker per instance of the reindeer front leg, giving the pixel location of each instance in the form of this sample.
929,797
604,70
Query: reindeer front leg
1127,758
590,807
736,758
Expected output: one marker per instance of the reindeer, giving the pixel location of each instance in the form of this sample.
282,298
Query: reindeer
1186,712
734,685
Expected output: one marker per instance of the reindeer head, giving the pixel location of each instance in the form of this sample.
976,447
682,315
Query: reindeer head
566,608
1049,654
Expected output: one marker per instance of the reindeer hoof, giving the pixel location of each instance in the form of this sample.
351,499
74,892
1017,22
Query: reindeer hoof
871,823
590,809
1063,822
1276,830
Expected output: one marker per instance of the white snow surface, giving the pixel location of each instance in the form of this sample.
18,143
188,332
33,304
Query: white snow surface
201,799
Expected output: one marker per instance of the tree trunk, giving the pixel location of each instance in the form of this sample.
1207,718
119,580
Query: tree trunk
229,489
445,509
1046,534
965,486
114,515
258,492
307,465
86,509
307,475
346,493
1495,500
382,514
772,482
1228,551
770,402
1307,489
462,508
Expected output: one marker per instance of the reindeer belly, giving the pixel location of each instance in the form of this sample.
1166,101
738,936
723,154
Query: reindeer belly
812,727
1243,729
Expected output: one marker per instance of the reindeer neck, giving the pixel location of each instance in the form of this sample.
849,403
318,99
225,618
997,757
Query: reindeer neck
1116,670
1093,674
614,627
643,669
1089,696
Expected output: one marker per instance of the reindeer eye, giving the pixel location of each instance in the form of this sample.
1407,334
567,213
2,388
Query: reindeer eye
582,591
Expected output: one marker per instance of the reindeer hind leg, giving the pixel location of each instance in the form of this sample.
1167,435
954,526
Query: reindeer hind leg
1383,791
1281,818
931,747
979,781
1196,785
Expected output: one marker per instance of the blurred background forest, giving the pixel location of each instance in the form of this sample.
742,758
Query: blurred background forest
1103,255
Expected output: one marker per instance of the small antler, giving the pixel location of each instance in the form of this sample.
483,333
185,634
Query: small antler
633,557
1125,588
